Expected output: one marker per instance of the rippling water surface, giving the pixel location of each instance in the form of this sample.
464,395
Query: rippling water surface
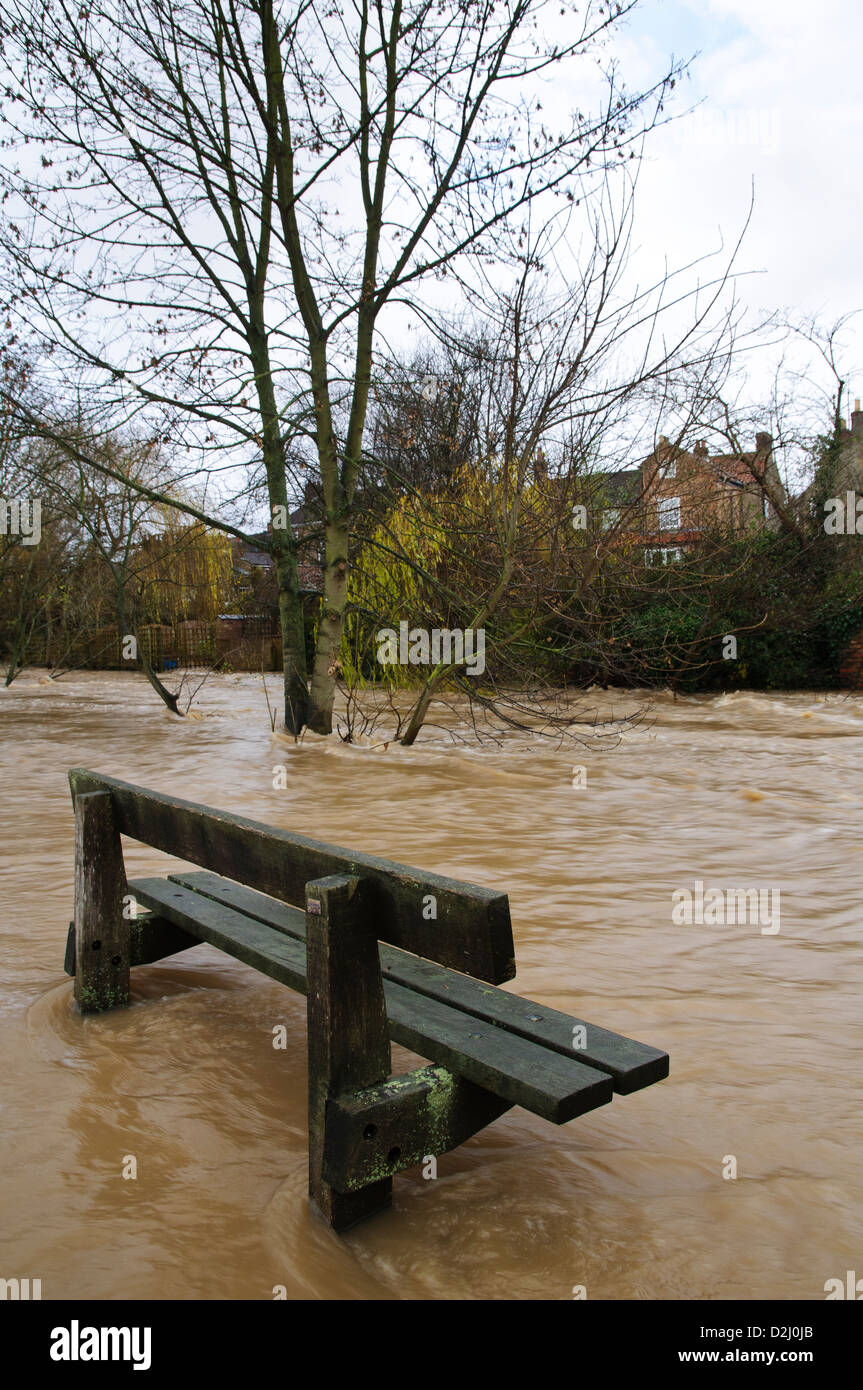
765,1031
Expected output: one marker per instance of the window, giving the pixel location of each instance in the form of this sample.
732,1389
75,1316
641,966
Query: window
670,469
669,514
610,517
667,555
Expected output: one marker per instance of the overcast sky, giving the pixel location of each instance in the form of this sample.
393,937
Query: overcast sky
775,84
780,82
778,118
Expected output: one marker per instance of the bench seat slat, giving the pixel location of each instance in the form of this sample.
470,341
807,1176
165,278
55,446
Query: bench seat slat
556,1087
631,1065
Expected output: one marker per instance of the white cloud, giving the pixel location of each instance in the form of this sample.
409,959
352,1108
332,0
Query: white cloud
779,83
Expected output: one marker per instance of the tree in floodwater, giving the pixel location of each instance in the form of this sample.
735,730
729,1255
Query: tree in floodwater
210,207
531,401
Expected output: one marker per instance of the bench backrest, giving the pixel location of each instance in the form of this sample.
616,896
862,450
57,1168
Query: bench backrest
471,930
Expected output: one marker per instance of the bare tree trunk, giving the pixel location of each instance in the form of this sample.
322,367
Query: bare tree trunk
420,709
293,640
330,627
161,690
164,694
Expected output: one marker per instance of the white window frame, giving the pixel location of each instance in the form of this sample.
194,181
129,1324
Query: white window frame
610,517
668,555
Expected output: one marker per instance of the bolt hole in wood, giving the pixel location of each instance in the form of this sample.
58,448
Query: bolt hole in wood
97,945
370,1131
393,1155
116,960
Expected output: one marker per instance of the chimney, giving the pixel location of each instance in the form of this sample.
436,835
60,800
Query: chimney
540,467
763,442
857,421
700,450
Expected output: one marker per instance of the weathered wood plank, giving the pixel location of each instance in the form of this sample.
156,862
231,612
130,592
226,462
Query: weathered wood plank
101,932
151,938
556,1087
384,1129
291,921
275,954
632,1065
471,932
349,1046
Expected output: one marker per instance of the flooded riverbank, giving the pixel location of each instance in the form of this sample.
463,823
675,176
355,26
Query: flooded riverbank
764,1029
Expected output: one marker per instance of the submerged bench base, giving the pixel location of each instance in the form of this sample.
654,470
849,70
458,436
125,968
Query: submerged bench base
489,1048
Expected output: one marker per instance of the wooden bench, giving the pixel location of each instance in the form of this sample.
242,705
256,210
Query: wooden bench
311,915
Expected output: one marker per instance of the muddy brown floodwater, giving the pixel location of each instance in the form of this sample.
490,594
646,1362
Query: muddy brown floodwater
765,1029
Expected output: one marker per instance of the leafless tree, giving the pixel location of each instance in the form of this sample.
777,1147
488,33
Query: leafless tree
210,206
548,386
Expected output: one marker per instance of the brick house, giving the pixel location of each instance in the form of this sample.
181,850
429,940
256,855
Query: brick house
254,567
307,521
677,495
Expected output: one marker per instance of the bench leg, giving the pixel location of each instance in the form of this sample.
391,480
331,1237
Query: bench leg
349,1046
101,934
